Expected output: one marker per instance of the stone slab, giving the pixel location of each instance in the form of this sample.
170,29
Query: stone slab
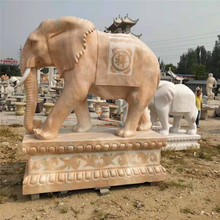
104,191
217,112
213,102
211,113
181,140
95,159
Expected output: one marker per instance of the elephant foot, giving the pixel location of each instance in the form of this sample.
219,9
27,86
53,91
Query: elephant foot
174,129
44,135
125,133
191,131
144,127
164,132
80,128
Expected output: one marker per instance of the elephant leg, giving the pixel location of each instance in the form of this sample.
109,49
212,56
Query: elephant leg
131,123
192,125
176,124
83,117
145,122
163,115
55,119
73,97
137,102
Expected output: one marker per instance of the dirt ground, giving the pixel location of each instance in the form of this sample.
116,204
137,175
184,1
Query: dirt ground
191,189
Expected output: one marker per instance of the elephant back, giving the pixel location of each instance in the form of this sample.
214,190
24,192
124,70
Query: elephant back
184,99
120,60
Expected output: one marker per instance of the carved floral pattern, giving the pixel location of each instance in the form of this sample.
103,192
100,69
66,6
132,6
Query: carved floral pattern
93,161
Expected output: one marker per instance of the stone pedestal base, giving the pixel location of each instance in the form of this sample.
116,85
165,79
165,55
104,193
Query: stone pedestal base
204,114
93,159
48,107
180,141
211,113
19,108
217,111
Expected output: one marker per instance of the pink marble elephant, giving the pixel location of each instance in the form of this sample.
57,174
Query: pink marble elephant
111,66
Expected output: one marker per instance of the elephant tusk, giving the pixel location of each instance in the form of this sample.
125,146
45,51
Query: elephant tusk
26,74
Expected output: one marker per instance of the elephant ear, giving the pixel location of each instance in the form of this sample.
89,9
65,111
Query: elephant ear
67,41
164,94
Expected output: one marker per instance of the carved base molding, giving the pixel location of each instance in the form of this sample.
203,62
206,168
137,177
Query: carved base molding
91,160
181,140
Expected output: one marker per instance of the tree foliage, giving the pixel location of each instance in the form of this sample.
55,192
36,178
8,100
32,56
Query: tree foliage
10,70
215,59
170,65
162,64
199,61
199,71
45,70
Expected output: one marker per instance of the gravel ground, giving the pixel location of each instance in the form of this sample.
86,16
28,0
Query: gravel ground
191,189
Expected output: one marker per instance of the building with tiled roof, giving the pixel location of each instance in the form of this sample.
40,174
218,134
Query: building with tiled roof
122,25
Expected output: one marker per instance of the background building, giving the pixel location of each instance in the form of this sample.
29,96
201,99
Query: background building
122,25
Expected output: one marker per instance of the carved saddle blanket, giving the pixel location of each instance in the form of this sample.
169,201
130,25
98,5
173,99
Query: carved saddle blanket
120,60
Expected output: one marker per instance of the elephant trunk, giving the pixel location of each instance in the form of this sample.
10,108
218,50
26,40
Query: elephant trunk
31,100
29,72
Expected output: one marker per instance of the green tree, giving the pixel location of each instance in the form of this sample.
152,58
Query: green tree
181,66
208,62
45,70
200,61
186,62
162,65
10,70
199,71
191,59
201,55
215,60
173,68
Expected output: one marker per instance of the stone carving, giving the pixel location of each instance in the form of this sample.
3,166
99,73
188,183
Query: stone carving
4,77
93,159
210,84
177,100
73,46
218,95
121,61
182,141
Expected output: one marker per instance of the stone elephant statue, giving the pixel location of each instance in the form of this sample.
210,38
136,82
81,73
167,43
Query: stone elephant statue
177,100
111,66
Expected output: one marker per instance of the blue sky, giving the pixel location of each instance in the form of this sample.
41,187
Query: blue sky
169,28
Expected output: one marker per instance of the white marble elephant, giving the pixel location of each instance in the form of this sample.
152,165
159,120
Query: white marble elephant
170,99
176,100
